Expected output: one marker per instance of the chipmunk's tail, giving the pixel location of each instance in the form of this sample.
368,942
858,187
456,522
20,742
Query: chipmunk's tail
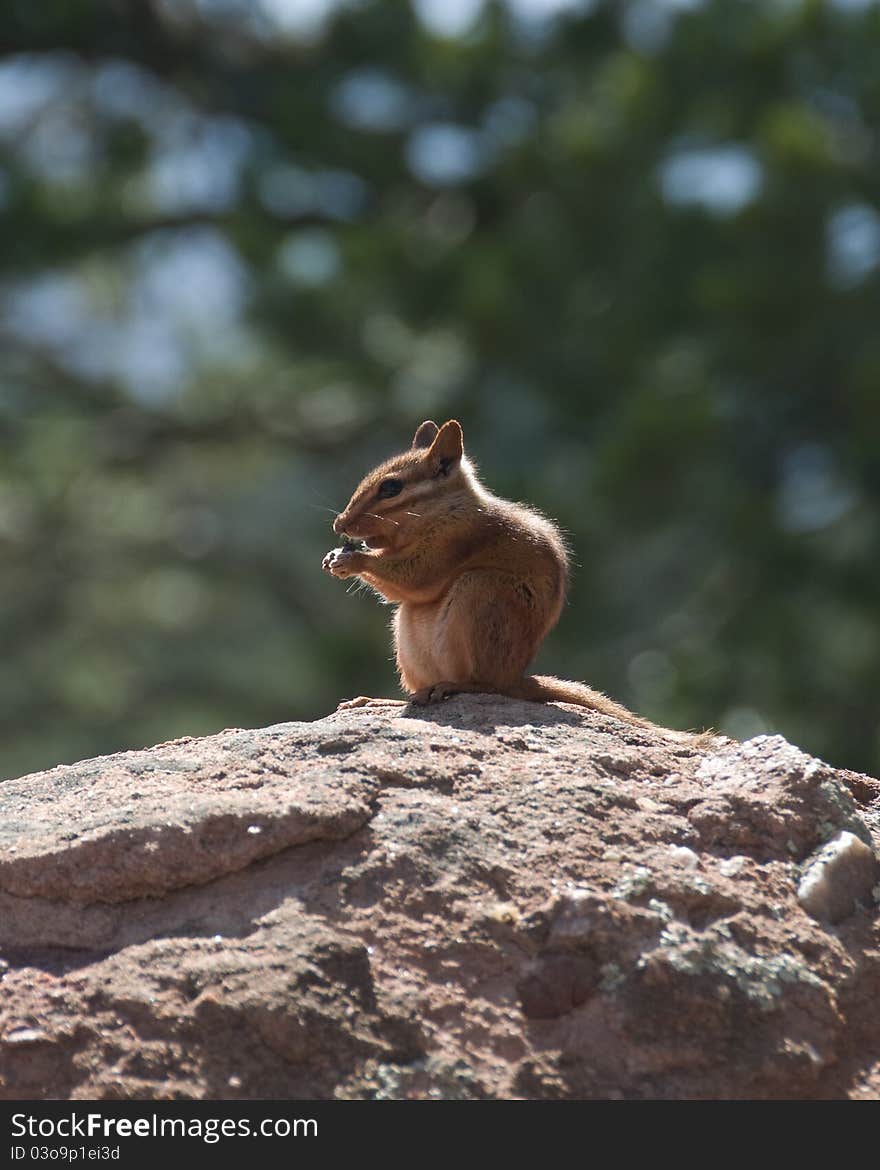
546,689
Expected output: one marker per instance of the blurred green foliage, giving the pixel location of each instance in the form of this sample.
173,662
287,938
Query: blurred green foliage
247,246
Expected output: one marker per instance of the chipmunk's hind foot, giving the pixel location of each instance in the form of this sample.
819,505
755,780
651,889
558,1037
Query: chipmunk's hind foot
437,692
366,701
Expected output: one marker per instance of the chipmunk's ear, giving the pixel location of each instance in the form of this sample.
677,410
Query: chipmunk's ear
426,434
447,448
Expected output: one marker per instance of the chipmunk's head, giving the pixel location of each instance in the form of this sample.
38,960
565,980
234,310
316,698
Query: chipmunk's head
395,501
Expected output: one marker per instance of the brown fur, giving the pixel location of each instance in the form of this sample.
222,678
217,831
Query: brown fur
479,582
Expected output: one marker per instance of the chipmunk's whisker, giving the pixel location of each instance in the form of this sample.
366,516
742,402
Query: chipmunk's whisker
396,523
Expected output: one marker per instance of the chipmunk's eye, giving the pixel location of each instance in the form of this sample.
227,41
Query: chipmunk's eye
389,488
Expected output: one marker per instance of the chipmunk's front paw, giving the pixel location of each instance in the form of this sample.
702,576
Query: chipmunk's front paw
339,562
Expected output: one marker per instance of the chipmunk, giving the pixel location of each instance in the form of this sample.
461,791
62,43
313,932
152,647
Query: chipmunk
478,581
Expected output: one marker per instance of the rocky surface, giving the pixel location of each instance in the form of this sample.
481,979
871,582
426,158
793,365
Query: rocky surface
487,899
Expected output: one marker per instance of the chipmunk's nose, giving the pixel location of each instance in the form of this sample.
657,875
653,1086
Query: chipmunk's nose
338,526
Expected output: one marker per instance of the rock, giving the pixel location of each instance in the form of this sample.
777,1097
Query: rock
485,899
842,875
